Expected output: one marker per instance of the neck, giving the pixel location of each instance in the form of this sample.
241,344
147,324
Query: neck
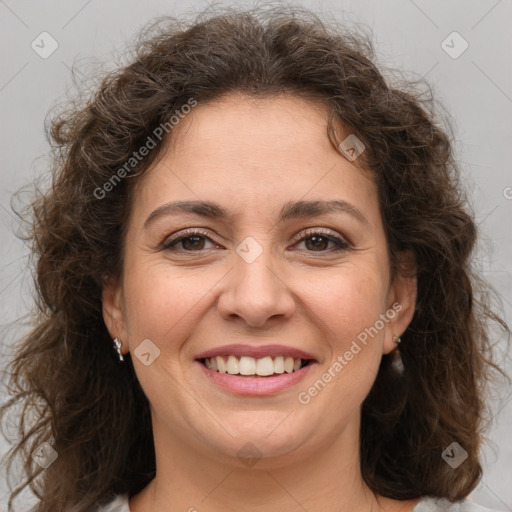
324,477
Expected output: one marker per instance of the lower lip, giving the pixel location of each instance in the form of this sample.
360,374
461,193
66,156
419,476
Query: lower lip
256,386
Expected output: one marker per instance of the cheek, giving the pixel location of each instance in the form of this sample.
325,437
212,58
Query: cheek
348,306
347,301
357,346
161,303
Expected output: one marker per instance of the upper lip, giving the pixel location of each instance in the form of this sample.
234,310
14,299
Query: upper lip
257,352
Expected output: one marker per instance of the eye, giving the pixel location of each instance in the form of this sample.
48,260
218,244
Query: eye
191,240
320,239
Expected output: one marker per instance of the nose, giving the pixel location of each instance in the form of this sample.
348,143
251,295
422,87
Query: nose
255,292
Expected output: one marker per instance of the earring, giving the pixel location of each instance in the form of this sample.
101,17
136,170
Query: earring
117,346
397,363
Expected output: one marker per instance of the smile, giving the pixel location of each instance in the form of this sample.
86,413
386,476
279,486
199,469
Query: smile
255,370
251,366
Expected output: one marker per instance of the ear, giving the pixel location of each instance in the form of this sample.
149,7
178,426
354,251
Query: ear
401,300
113,312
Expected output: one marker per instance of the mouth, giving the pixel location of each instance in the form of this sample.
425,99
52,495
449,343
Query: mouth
246,366
255,370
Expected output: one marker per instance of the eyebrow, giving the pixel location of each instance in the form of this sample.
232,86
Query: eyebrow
291,210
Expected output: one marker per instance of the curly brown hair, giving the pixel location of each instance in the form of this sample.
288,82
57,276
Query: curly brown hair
77,396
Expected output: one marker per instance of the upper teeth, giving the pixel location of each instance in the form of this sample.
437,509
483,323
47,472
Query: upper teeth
250,366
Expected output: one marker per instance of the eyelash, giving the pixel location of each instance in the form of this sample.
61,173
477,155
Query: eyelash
341,244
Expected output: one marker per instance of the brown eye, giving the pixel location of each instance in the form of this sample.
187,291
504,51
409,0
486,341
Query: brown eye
191,240
318,241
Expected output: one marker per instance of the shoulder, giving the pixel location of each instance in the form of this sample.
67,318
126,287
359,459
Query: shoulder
119,504
430,504
426,504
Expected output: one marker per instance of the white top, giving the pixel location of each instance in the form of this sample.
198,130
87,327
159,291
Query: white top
426,504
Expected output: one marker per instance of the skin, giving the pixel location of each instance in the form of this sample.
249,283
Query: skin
252,156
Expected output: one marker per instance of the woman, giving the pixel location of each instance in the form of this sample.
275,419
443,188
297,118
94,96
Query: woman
255,291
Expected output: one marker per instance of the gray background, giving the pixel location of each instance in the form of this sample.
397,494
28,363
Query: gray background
476,88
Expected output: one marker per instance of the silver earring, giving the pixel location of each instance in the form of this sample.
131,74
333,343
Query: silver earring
397,339
117,346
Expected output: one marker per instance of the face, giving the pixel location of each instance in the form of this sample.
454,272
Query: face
302,296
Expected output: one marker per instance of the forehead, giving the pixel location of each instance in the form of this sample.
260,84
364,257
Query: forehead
238,123
255,153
